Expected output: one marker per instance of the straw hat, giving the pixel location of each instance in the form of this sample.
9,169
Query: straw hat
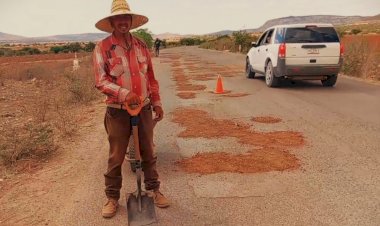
120,7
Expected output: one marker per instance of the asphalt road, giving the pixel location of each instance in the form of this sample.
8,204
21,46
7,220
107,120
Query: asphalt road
338,183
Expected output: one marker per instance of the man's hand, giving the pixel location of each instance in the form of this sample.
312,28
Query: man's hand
132,98
159,113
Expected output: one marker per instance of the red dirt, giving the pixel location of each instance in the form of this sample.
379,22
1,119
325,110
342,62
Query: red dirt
200,124
183,82
266,119
269,153
186,95
203,77
190,87
258,161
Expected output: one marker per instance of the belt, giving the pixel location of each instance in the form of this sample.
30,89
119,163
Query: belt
121,106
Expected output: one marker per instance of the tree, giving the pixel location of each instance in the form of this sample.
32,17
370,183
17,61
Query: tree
242,39
56,49
30,51
145,35
89,47
355,31
74,47
190,41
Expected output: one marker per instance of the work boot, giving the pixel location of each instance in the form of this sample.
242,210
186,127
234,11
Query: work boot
110,208
160,200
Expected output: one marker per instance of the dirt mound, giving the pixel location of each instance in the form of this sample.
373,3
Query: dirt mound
266,119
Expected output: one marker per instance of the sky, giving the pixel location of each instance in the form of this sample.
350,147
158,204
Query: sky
34,18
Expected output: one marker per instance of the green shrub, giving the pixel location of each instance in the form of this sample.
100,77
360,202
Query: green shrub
56,49
145,35
190,41
89,47
355,31
30,51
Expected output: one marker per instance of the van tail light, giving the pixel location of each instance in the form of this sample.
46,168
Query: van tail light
282,50
341,50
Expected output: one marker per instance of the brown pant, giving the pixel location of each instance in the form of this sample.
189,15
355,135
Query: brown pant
118,127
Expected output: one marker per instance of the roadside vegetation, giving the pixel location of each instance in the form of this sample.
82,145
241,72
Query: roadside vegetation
41,103
239,41
360,28
362,56
37,49
145,35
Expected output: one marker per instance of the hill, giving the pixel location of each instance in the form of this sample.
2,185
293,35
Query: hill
9,37
336,20
93,37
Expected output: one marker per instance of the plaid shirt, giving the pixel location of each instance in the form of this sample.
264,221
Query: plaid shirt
119,70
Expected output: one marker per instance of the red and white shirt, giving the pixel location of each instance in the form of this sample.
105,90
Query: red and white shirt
119,70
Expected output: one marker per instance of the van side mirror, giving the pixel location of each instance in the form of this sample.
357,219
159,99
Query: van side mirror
253,44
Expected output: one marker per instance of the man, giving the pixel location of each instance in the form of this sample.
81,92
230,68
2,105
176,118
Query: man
124,73
157,45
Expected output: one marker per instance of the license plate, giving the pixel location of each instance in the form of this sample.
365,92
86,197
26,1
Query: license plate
313,51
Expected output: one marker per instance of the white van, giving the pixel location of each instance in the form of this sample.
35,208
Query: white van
296,51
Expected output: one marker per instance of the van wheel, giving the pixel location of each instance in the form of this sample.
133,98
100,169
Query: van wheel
248,69
330,81
270,79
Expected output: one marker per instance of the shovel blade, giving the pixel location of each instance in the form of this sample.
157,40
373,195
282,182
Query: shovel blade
146,216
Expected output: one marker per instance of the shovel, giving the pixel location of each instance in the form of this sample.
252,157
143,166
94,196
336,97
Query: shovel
140,206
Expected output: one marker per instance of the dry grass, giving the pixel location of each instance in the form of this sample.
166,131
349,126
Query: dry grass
362,57
39,70
34,140
40,104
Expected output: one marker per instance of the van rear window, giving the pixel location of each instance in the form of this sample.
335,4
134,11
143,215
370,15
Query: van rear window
311,35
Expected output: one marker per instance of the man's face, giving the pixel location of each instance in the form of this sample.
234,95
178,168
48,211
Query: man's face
121,23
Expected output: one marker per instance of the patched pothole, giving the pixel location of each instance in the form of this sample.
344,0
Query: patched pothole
270,150
186,95
266,119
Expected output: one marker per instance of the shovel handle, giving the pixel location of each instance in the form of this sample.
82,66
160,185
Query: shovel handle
136,140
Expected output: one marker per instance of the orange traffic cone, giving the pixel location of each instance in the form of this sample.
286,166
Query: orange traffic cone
219,86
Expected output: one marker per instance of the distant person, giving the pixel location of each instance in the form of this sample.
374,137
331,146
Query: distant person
124,73
157,45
